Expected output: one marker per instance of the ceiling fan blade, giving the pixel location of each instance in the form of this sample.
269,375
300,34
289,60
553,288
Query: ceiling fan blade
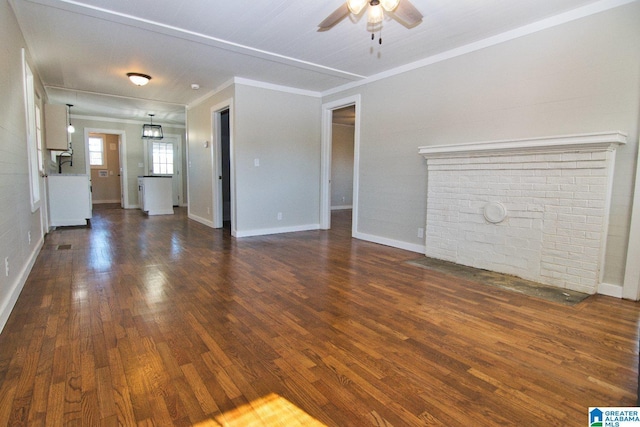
335,17
407,14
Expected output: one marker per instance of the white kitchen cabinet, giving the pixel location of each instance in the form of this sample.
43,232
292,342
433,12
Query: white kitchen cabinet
69,200
155,195
55,127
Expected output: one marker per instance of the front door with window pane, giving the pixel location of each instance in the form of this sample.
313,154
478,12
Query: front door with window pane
164,159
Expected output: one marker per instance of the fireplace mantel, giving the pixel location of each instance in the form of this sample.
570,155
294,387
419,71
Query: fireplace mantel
549,144
537,208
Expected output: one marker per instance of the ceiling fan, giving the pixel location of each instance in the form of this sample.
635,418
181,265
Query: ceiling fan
401,10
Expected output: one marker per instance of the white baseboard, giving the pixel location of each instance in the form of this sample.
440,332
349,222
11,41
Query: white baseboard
101,202
267,231
610,290
341,208
201,220
390,242
16,288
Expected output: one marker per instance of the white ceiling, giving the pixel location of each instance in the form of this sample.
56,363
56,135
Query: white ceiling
82,49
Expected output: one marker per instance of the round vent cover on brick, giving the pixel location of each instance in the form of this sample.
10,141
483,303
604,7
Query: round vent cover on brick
495,212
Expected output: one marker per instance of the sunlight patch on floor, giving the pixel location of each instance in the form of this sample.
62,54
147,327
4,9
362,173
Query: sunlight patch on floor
271,410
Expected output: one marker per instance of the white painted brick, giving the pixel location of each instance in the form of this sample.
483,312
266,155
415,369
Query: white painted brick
592,164
574,187
548,157
572,218
575,172
571,249
580,272
576,156
556,207
554,267
559,194
561,180
599,172
597,189
588,211
599,155
596,204
548,172
591,195
546,187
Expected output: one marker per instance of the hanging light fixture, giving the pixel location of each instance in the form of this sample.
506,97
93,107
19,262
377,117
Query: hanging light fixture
356,6
139,79
375,12
151,131
70,128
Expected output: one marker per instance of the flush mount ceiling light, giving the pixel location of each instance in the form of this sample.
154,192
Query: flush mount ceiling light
139,79
70,128
151,131
400,10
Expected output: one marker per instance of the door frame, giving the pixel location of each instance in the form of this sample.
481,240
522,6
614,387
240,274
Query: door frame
177,163
122,138
325,161
216,164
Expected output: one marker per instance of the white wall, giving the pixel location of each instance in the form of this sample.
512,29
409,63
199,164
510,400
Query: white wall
342,158
16,218
200,159
279,130
579,77
282,131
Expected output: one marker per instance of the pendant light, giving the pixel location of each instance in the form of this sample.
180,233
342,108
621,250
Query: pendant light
151,131
70,128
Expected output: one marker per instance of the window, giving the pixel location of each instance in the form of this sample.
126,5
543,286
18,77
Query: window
161,158
39,138
32,147
96,151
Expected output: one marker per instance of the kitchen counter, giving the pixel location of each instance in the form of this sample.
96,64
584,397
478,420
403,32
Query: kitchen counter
155,195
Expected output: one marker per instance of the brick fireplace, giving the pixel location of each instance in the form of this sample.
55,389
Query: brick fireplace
534,208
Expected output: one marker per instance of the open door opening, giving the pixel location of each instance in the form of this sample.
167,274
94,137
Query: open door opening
222,158
104,159
340,162
225,167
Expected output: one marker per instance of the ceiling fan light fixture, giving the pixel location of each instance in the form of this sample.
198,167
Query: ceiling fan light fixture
356,6
389,5
375,15
139,79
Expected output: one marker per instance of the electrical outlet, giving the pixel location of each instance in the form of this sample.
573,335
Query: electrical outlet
279,216
29,236
421,232
208,210
6,266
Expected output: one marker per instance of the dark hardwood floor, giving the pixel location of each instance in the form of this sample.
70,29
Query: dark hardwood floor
163,321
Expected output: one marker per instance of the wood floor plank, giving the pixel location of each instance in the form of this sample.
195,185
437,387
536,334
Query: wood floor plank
163,321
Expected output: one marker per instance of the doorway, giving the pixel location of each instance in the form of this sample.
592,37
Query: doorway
104,158
222,159
164,158
117,170
225,167
337,113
